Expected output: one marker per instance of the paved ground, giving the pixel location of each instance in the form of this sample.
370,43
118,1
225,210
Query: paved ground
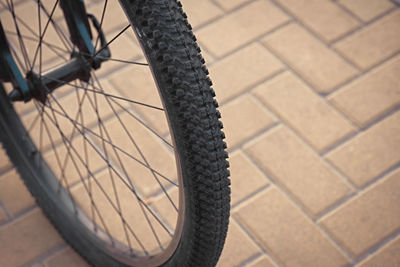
310,96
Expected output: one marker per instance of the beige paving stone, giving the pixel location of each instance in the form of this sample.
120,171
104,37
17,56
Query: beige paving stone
367,9
114,17
308,56
27,238
65,258
200,12
368,218
371,153
246,178
241,125
254,63
233,254
14,194
263,261
373,43
309,114
231,4
370,96
386,256
295,166
240,27
263,217
323,17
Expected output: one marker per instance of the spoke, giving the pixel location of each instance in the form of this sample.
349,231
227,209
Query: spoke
101,23
61,35
116,147
113,39
105,94
100,124
52,47
111,166
71,147
41,34
21,42
118,97
139,150
126,173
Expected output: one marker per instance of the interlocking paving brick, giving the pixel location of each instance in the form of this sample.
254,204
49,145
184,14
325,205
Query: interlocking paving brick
240,27
309,114
263,262
371,153
308,56
14,194
200,12
263,217
241,125
370,96
253,62
234,254
386,256
322,16
246,178
373,43
294,165
228,5
27,238
368,218
65,258
367,9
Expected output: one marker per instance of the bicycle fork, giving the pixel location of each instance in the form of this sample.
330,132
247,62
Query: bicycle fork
82,61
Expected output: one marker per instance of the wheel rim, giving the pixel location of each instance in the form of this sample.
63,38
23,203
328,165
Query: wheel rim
92,136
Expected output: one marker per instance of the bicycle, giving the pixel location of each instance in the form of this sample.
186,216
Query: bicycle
125,156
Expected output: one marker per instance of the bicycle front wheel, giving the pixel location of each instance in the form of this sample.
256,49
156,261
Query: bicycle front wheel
130,166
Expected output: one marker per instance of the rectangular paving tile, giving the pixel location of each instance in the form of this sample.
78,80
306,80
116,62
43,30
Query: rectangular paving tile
263,261
370,96
295,166
246,178
65,258
235,73
373,43
27,238
309,57
305,111
386,256
323,17
234,254
368,218
297,242
367,9
371,153
228,5
14,194
240,125
200,12
240,27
